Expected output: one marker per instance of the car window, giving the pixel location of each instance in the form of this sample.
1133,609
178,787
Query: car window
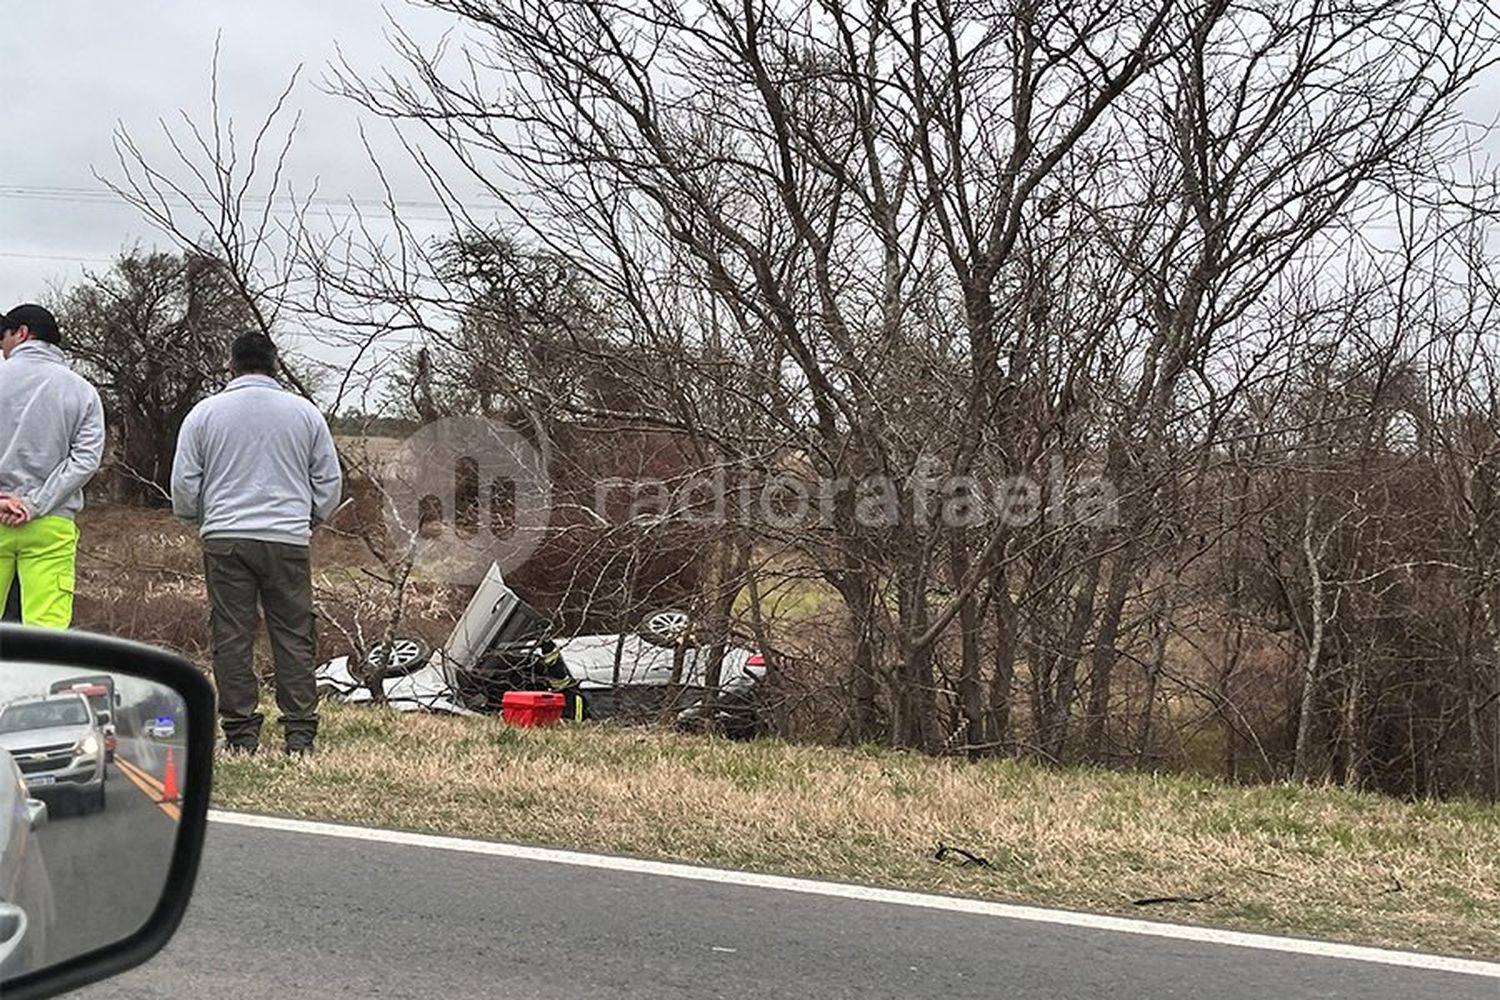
42,714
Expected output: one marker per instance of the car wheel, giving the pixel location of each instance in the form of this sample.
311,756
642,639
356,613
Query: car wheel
406,655
743,722
667,628
738,717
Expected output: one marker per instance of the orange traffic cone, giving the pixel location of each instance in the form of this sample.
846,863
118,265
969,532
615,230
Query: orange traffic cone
169,791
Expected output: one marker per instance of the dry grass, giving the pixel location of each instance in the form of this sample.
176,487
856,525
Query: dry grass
1318,862
140,575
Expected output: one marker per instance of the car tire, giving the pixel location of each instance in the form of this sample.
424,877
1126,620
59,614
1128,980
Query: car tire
738,717
667,627
744,721
409,654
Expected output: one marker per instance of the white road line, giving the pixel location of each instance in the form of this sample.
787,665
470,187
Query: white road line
866,894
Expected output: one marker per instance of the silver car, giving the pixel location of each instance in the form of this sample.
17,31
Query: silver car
58,744
27,910
501,644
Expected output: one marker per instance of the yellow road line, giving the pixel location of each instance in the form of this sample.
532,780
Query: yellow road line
149,785
140,773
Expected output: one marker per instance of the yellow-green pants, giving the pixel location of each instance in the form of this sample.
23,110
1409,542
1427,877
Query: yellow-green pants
43,553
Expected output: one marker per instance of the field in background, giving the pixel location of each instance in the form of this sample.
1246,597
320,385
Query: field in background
140,575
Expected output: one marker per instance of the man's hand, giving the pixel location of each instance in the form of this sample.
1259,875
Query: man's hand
13,511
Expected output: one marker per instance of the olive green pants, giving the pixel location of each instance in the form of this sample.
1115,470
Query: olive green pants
245,577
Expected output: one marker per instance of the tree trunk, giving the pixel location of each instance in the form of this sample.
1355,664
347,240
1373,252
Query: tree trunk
1234,646
1349,729
734,563
1163,626
914,706
1065,674
421,390
1492,632
1002,681
859,599
1495,744
144,475
970,692
1101,676
1301,765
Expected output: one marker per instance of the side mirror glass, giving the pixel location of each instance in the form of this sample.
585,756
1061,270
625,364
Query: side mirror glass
102,811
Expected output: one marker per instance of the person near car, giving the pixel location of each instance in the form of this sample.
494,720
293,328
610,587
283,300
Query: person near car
256,471
51,444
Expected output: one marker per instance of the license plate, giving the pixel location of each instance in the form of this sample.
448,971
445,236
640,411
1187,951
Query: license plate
40,779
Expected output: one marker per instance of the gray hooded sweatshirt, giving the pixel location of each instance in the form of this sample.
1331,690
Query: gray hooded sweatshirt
51,430
256,462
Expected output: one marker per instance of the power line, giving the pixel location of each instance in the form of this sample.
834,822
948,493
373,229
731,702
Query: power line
58,257
280,205
57,193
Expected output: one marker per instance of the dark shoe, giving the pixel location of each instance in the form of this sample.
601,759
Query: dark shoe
299,750
241,749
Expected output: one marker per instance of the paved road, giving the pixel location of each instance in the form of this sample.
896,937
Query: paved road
282,915
150,756
108,868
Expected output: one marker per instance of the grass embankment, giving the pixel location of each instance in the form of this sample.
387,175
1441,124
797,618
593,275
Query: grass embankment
1316,862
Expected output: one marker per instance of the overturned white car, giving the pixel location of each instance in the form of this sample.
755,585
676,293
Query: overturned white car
501,644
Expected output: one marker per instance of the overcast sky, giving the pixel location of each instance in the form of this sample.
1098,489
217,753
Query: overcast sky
25,680
75,68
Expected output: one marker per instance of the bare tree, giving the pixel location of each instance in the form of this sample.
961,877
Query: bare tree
154,334
939,275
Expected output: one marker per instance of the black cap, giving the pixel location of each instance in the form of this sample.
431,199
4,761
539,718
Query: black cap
41,323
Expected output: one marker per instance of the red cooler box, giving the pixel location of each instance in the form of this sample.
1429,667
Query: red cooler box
531,708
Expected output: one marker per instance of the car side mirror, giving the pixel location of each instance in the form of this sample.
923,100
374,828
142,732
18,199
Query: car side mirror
71,814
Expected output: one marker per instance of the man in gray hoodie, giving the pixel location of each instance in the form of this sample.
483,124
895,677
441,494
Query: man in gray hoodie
256,471
51,444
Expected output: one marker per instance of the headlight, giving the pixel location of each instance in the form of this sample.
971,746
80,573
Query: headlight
88,746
